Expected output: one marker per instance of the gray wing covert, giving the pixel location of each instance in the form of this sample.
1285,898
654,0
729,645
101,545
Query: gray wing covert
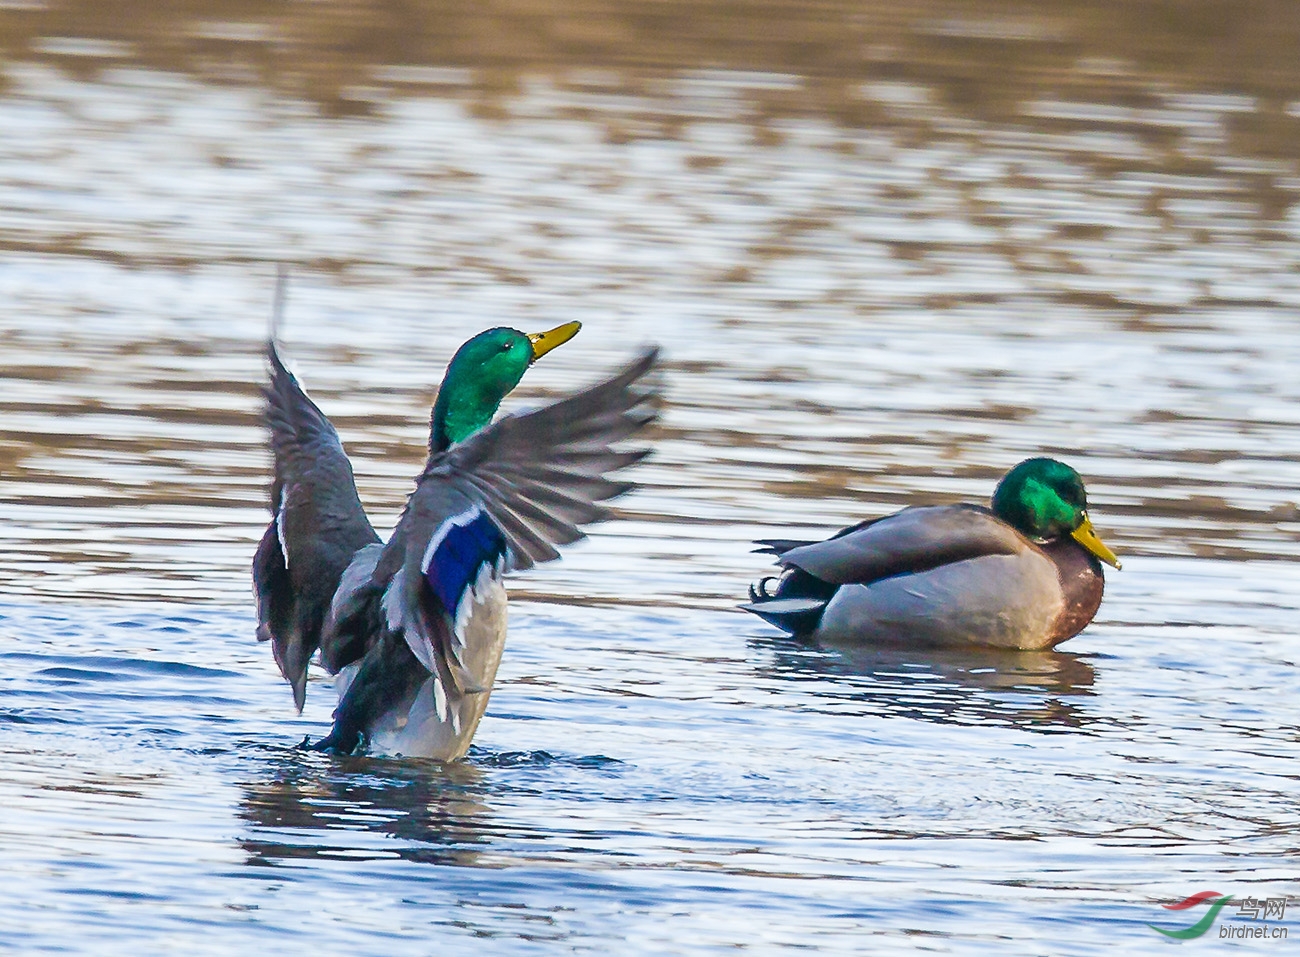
913,540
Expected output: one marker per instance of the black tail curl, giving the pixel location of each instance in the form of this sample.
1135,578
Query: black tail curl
758,591
795,605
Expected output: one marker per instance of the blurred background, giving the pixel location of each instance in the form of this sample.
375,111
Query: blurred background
890,248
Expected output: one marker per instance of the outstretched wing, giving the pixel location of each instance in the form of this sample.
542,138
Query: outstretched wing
317,526
540,475
502,499
913,540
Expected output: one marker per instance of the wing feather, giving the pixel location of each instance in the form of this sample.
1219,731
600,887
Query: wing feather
538,476
541,474
317,525
913,540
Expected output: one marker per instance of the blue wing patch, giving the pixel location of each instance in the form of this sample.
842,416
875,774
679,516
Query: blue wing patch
460,547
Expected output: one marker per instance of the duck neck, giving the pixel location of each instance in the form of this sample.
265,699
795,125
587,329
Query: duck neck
459,411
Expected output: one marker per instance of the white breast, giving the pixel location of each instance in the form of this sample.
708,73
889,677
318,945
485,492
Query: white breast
423,731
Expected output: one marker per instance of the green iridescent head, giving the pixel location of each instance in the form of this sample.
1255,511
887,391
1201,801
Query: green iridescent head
481,374
1044,500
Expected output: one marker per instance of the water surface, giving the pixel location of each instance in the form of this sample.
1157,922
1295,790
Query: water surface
890,250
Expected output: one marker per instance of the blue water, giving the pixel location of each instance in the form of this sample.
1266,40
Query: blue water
667,781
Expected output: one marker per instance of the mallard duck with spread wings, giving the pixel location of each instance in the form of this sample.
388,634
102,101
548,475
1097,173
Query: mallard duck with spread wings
1023,574
414,628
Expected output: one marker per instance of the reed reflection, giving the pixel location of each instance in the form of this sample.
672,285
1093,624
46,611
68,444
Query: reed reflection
1040,691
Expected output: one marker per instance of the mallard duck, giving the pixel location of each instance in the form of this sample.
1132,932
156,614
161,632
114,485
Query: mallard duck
1024,574
414,628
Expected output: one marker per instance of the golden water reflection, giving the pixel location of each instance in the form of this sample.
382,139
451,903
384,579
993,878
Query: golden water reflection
891,249
985,60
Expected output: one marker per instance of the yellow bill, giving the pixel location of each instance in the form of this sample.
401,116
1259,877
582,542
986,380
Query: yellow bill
1087,537
544,342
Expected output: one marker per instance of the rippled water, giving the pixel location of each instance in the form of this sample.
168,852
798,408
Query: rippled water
890,252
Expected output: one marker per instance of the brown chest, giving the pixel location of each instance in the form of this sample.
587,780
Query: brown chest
1082,584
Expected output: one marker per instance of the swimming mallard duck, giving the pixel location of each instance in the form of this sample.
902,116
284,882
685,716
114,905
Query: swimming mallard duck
414,628
1024,574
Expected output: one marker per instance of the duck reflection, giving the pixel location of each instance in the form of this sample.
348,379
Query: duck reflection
1034,690
312,806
